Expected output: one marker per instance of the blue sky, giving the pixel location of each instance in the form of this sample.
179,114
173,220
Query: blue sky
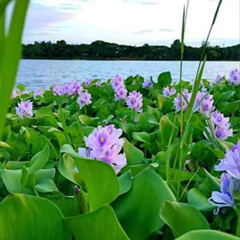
132,22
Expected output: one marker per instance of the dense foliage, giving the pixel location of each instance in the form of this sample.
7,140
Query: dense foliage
98,161
103,50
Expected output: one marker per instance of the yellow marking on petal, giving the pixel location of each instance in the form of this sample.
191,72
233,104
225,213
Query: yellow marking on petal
102,139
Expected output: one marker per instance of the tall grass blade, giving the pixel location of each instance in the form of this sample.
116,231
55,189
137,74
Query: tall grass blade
10,57
3,5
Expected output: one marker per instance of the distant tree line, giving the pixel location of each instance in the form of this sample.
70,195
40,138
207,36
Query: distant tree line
100,50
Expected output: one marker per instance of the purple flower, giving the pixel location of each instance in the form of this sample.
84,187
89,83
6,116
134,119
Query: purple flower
220,126
234,77
224,198
57,90
76,87
147,84
38,93
134,101
231,163
104,144
121,93
99,83
84,99
177,100
167,92
219,119
15,93
87,83
218,79
117,82
24,109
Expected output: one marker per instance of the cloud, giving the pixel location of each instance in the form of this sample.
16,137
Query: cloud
166,30
143,31
69,6
150,3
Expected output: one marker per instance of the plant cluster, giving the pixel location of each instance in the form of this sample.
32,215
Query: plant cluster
108,168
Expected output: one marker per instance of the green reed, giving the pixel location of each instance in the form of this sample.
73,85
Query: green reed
10,51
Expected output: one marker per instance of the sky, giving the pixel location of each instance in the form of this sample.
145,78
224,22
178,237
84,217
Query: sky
131,22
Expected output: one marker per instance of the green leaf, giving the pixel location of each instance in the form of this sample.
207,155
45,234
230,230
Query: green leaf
199,201
100,224
12,180
133,155
69,150
101,182
46,186
39,160
167,128
164,103
141,136
182,218
207,235
164,79
138,209
36,218
68,169
125,181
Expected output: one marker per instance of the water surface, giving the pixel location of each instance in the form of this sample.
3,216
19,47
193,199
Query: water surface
41,74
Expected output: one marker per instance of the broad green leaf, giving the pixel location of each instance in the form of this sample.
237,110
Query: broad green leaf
67,205
68,149
133,155
101,182
86,120
12,180
141,136
39,160
164,79
36,218
125,181
68,169
138,209
199,201
164,103
46,186
167,128
100,224
182,217
207,235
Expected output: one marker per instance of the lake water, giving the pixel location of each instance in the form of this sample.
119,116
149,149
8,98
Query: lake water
41,74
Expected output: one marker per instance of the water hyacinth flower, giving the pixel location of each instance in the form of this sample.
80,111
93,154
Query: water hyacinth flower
167,92
99,83
134,101
182,104
57,90
220,126
219,119
24,109
218,79
87,83
121,93
231,162
117,82
84,99
15,93
38,93
204,103
224,198
234,77
147,84
119,88
104,144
